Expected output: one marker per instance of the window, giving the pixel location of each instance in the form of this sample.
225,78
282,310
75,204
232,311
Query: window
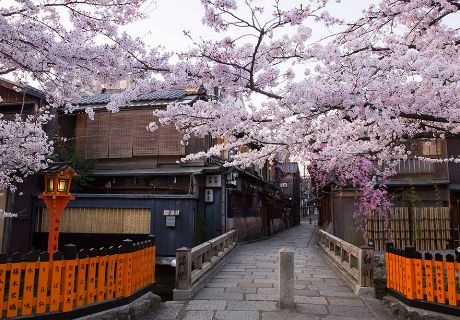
430,147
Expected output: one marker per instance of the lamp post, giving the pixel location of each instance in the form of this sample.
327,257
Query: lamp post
56,197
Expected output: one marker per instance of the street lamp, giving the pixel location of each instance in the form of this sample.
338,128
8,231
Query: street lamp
56,196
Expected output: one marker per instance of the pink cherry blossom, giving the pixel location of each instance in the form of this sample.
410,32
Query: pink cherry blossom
65,47
356,97
343,103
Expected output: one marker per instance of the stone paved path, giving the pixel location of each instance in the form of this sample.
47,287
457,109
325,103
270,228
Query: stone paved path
246,288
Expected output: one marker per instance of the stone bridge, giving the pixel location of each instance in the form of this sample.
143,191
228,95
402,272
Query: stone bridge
246,287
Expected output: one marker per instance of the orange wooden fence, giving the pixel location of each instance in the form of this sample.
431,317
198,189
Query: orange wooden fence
33,285
421,278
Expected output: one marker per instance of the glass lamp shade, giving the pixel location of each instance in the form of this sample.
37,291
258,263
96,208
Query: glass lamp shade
58,183
50,185
62,185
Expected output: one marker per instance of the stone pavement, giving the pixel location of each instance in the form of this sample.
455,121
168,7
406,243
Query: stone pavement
246,288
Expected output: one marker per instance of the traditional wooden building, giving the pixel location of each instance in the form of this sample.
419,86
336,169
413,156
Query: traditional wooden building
16,233
453,150
288,178
422,193
140,185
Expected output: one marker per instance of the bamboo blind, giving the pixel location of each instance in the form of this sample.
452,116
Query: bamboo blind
124,134
169,141
144,141
121,135
100,220
97,136
426,228
80,133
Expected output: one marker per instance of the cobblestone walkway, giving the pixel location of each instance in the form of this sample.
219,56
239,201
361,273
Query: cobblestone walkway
246,288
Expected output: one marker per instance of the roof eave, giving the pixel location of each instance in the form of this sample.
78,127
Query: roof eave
136,104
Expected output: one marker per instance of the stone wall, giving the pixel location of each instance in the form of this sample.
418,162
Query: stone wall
380,274
401,311
133,311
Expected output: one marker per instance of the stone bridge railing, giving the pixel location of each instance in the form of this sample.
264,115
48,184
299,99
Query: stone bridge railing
356,262
193,264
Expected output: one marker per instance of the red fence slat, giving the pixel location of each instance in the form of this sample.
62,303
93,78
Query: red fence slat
13,294
432,281
32,285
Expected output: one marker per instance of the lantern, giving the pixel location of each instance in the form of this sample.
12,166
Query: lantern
56,196
58,183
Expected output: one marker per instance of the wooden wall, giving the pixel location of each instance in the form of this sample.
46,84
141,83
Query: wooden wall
455,218
167,238
415,169
17,231
343,207
453,150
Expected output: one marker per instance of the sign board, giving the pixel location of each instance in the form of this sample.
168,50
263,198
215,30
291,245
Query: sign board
171,221
208,195
171,212
283,185
213,181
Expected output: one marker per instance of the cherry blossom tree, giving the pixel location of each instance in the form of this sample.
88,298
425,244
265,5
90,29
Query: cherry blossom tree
341,103
65,47
354,97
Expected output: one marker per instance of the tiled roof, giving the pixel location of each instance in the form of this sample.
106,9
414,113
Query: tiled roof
35,92
56,167
27,89
154,171
289,167
170,94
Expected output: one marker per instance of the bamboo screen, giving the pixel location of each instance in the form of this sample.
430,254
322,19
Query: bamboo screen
97,136
124,134
426,228
100,220
145,142
169,141
121,135
80,133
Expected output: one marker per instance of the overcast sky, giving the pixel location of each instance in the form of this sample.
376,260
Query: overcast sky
169,18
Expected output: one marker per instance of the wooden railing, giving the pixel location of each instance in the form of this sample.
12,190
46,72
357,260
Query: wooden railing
356,262
411,166
34,285
192,264
432,283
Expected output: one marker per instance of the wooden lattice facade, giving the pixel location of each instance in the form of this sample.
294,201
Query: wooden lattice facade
426,228
125,135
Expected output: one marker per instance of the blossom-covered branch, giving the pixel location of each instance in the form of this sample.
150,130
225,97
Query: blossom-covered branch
390,76
66,47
